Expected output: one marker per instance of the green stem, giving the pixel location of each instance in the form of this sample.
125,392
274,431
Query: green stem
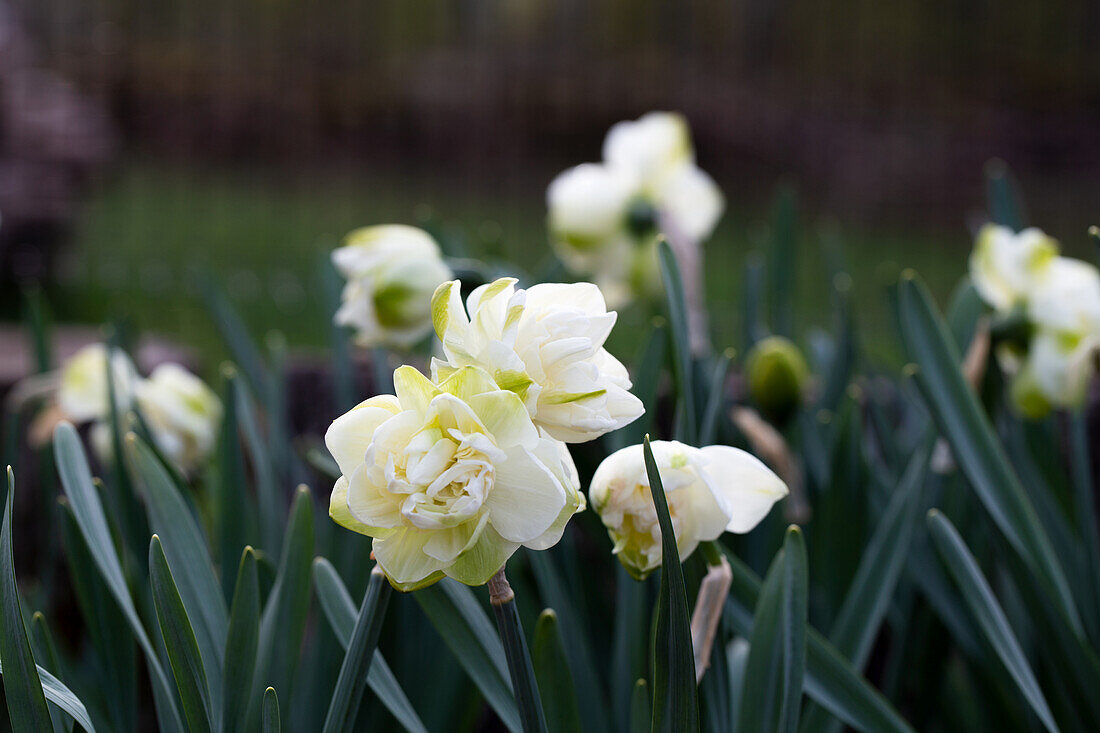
711,552
526,690
1085,501
352,681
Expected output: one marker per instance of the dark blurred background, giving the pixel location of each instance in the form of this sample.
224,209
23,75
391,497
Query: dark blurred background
246,136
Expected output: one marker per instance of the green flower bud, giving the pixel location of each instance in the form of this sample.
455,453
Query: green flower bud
776,372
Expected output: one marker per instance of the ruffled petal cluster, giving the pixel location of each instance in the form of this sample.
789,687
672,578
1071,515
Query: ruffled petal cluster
603,216
449,478
544,344
710,490
1022,275
391,273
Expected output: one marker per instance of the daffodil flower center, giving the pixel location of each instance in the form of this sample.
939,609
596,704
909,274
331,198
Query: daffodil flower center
445,477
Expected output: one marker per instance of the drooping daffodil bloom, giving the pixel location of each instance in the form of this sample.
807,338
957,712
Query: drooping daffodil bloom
449,478
84,392
391,273
182,413
710,490
1064,312
603,217
545,344
1005,265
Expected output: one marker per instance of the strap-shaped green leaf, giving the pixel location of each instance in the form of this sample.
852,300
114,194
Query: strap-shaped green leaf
283,623
868,599
772,694
179,641
578,650
232,505
974,444
109,634
341,614
267,496
991,619
184,544
641,714
630,645
681,340
830,680
64,698
469,634
72,467
675,697
344,705
270,719
559,696
26,702
241,644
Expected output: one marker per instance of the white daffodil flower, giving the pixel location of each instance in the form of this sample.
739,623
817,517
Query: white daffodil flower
545,344
182,413
1063,308
84,392
1005,265
710,490
603,216
391,273
449,478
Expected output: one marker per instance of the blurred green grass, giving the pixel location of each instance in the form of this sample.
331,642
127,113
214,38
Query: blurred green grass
264,234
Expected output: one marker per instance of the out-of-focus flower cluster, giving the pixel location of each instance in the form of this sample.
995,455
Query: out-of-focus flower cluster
604,217
181,412
1047,312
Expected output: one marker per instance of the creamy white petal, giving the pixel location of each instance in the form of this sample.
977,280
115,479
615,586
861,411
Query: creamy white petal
744,485
526,497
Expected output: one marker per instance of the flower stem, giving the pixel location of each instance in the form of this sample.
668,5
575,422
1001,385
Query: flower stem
526,690
364,640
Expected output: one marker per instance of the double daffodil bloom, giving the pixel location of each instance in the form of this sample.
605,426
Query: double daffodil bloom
544,344
391,273
603,217
710,490
182,413
1057,299
449,478
1005,266
1064,310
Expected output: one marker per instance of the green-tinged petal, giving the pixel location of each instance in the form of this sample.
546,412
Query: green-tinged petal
505,417
467,382
414,390
526,498
350,434
480,562
446,302
447,544
423,583
487,292
564,398
403,558
338,509
376,511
